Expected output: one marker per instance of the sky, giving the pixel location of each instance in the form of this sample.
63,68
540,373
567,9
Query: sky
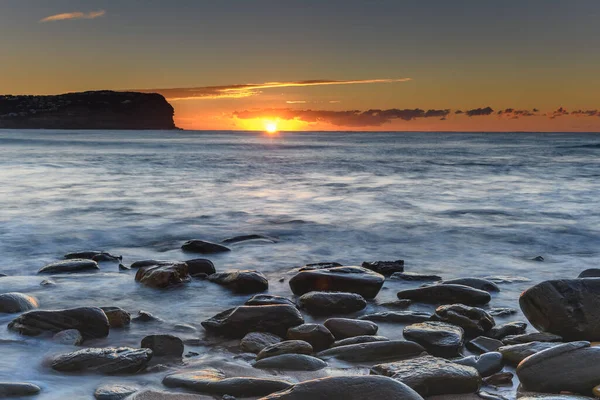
405,65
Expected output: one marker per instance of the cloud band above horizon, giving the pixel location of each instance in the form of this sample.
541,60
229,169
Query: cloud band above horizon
74,15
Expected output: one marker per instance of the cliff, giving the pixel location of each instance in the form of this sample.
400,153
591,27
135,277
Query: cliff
87,110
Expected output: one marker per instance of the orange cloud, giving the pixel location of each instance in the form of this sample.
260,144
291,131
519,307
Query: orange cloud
74,15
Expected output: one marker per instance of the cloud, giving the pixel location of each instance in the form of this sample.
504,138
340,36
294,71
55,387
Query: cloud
586,113
252,89
512,113
559,112
74,15
479,111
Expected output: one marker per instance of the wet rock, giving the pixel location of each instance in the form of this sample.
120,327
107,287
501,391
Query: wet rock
71,337
412,276
185,328
90,321
291,362
402,317
163,345
538,258
327,303
438,338
545,396
385,268
319,337
254,342
374,351
238,321
203,247
65,266
160,395
514,354
114,391
570,367
47,282
320,265
285,347
18,389
253,237
212,381
590,273
486,364
446,294
199,266
509,329
476,283
343,328
532,337
397,304
97,256
17,302
359,339
117,317
569,308
268,299
145,316
482,344
348,388
164,275
501,311
499,379
473,320
507,279
124,267
432,376
119,360
338,279
148,263
243,282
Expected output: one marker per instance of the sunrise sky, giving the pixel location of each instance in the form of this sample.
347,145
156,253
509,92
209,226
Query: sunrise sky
450,65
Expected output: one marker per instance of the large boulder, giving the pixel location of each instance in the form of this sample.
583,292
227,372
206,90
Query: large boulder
163,345
285,347
163,275
438,338
97,256
326,303
268,299
476,283
117,317
291,362
91,322
203,247
343,328
237,322
199,266
475,321
385,268
347,388
446,294
338,279
390,350
515,353
319,337
254,342
569,308
243,282
118,360
65,266
11,303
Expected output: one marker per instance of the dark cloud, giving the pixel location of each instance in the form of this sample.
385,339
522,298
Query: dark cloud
458,112
479,111
586,113
559,112
511,113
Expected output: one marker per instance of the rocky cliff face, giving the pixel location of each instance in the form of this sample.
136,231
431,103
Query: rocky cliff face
87,110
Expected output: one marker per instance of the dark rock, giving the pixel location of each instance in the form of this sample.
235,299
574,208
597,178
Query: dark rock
245,238
319,337
238,321
514,354
385,268
66,266
532,337
482,344
348,388
374,351
476,283
397,304
199,266
185,328
507,279
18,389
291,362
326,303
190,354
358,340
243,282
119,360
402,317
123,268
343,328
117,317
17,302
486,364
439,338
163,345
446,294
538,258
338,279
93,255
590,273
509,329
412,276
546,396
254,342
147,263
145,316
164,275
431,376
90,321
502,311
285,347
71,337
203,247
47,282
160,395
268,299
114,392
473,320
320,265
499,379
215,382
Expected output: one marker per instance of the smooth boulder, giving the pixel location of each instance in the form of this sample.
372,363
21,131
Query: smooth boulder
285,347
11,303
163,275
439,338
268,299
91,322
291,362
163,345
446,294
476,283
338,279
243,282
319,337
254,342
475,321
93,255
198,266
390,350
203,247
385,268
343,328
18,389
327,303
109,360
402,317
67,266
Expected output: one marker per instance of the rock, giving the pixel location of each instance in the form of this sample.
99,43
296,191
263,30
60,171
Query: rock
185,328
123,267
215,382
446,294
254,342
412,276
117,317
17,302
590,273
164,275
403,317
319,337
398,304
486,364
431,376
147,263
253,237
544,396
203,247
348,388
320,265
343,328
104,360
482,344
338,279
473,320
291,362
163,345
569,308
18,389
532,337
114,392
245,281
65,266
374,351
514,354
538,258
507,279
385,268
327,303
268,299
238,321
499,379
47,282
285,347
90,321
476,283
508,329
70,337
199,266
160,395
438,338
501,311
97,256
145,316
569,367
359,339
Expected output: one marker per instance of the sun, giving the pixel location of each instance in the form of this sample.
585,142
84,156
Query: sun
271,127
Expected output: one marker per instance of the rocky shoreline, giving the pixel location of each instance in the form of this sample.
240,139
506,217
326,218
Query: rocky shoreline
276,351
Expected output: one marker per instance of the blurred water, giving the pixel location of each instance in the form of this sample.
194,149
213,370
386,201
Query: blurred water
448,203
